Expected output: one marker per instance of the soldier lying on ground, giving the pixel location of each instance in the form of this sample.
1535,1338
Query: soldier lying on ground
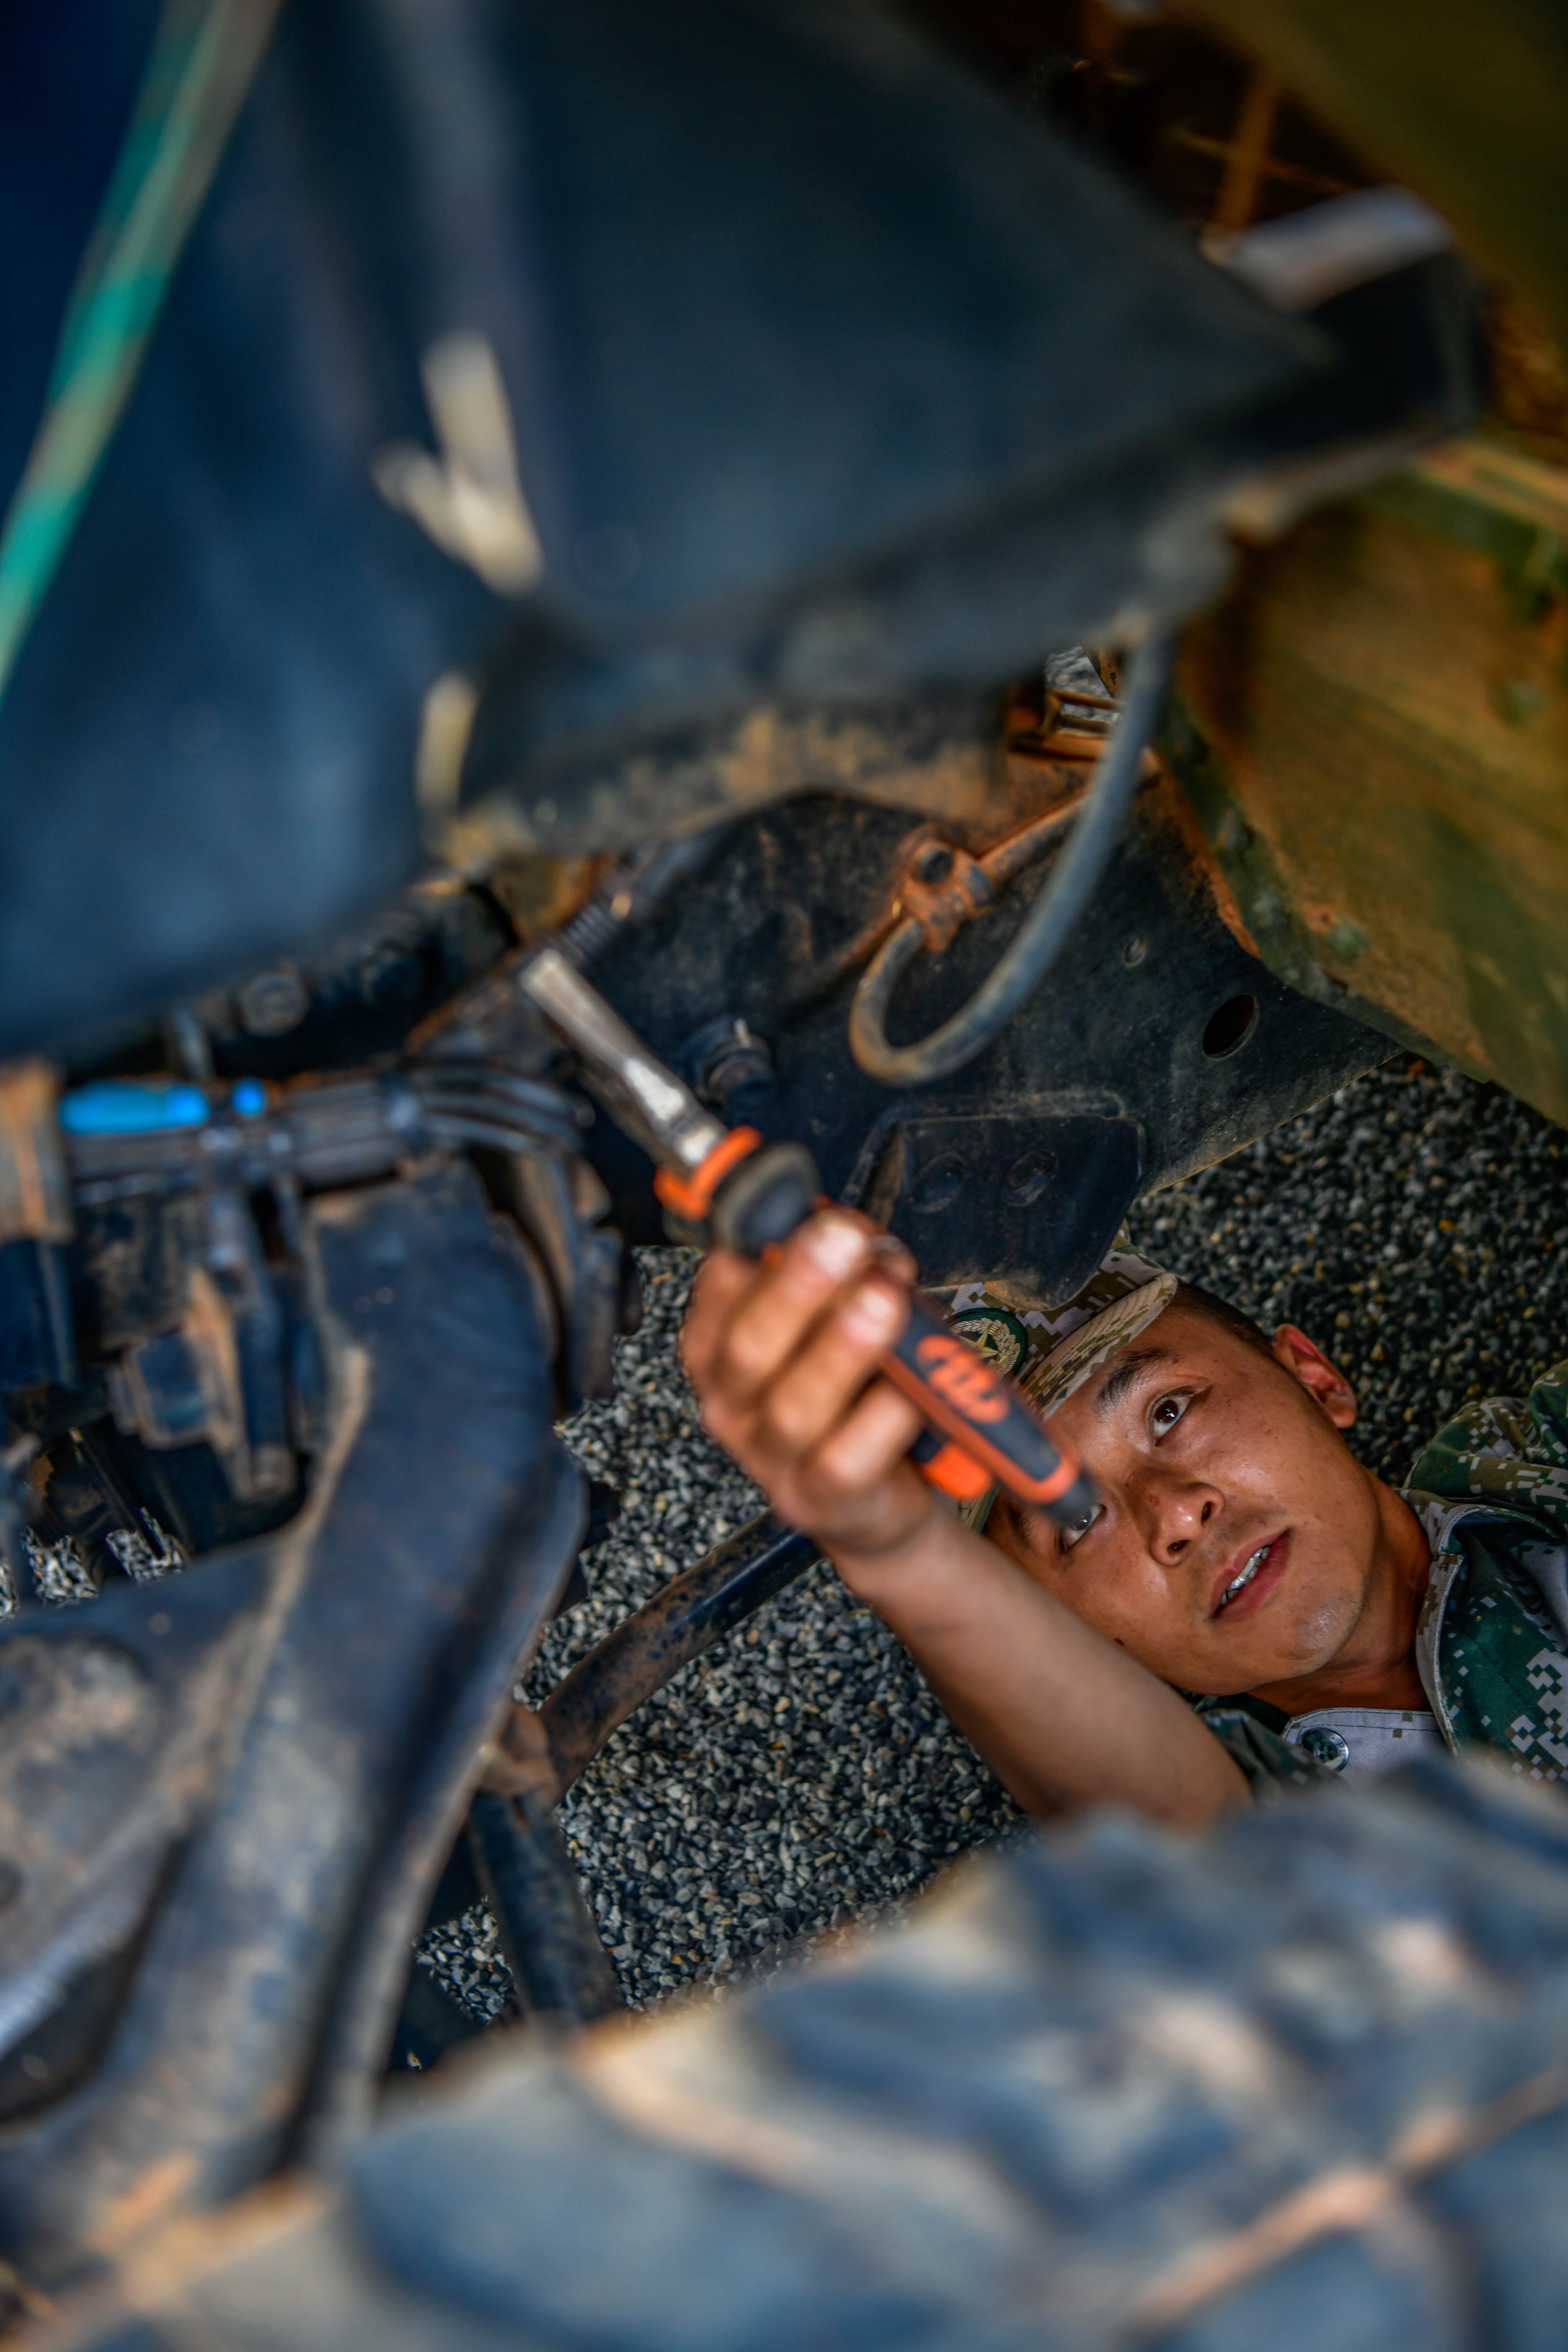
1248,1603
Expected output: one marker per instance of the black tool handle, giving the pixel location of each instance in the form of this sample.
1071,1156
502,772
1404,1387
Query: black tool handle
984,1415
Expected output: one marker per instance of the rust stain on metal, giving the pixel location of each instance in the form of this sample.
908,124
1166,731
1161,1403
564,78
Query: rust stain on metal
1196,853
35,1186
520,1761
944,889
1248,156
1062,743
943,898
541,895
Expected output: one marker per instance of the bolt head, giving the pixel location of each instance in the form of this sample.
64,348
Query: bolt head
273,1001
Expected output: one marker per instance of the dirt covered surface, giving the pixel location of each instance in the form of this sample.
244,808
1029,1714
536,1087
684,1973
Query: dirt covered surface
801,1774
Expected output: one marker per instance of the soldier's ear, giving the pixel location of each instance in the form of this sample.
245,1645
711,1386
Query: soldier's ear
1322,1379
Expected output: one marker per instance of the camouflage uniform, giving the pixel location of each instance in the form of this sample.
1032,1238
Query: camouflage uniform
1491,1493
1491,1647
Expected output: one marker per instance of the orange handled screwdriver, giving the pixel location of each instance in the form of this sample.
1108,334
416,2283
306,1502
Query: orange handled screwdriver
727,1185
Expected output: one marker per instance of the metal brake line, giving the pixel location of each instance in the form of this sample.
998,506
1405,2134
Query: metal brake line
1046,928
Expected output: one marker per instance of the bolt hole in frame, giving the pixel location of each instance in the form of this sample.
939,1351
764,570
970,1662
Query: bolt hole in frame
1230,1027
1027,1179
939,1186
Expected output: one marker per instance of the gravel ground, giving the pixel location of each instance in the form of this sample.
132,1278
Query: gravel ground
797,1776
802,1774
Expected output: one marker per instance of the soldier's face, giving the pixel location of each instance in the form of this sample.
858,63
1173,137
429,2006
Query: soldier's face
1239,1541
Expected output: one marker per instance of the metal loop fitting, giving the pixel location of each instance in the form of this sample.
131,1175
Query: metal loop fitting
1098,811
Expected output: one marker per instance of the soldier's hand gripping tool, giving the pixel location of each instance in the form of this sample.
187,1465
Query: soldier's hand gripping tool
726,1185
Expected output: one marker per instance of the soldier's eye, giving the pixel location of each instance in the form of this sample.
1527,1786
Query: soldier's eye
1081,1528
1165,1413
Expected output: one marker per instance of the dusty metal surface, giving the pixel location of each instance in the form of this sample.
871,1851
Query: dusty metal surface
1376,736
940,755
224,1798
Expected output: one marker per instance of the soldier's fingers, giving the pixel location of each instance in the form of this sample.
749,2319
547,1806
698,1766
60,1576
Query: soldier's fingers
769,1321
722,1280
830,1368
865,1446
891,1256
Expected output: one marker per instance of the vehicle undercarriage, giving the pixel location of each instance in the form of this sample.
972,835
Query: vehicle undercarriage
644,479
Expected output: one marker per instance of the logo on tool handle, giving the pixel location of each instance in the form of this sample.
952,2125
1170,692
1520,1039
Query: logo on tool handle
962,1380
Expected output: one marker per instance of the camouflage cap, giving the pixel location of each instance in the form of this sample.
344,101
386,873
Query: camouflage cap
1051,1350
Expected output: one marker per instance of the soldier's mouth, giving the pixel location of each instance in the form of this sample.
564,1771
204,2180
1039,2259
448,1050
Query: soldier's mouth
1245,1583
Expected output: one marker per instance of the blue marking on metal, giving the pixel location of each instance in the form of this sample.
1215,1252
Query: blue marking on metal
133,1106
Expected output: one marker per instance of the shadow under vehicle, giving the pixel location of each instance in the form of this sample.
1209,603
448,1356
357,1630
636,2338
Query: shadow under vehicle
611,473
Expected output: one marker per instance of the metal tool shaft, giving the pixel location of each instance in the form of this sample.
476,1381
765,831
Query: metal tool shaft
662,1113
